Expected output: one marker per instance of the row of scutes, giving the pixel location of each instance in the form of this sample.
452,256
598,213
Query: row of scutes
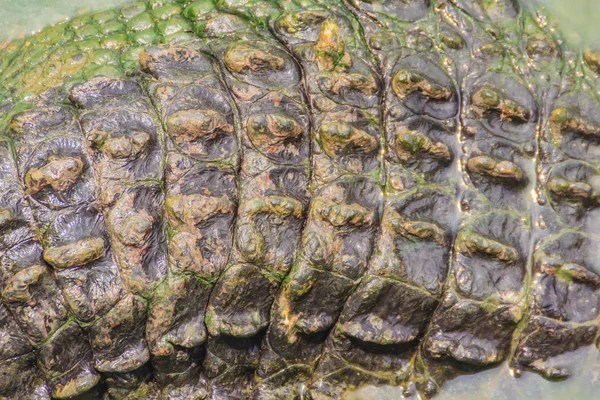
294,198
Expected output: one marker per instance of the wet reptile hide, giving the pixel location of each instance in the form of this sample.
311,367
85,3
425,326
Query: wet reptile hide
293,199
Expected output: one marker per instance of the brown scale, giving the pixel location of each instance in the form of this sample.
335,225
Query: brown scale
123,138
425,294
343,89
200,206
422,131
485,298
114,111
500,122
20,373
343,92
30,290
564,271
76,245
384,319
33,307
264,81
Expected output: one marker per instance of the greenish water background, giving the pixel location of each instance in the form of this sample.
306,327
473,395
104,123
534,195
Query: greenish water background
579,21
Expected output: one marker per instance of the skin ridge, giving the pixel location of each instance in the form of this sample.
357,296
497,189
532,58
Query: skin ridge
482,116
409,357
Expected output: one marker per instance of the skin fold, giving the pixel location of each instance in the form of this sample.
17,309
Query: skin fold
293,199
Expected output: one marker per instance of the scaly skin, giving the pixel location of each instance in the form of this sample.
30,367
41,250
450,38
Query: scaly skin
292,199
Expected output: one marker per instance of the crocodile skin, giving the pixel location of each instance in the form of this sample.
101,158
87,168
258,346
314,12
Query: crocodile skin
293,199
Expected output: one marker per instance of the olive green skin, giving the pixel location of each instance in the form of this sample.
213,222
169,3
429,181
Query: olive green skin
290,200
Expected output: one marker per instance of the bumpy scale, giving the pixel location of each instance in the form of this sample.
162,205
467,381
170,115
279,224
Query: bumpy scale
291,199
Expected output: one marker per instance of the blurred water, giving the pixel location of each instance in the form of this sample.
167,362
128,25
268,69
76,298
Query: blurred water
578,20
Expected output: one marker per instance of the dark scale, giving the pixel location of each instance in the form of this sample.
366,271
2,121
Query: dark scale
294,199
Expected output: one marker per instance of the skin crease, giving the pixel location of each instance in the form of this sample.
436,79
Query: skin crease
296,199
